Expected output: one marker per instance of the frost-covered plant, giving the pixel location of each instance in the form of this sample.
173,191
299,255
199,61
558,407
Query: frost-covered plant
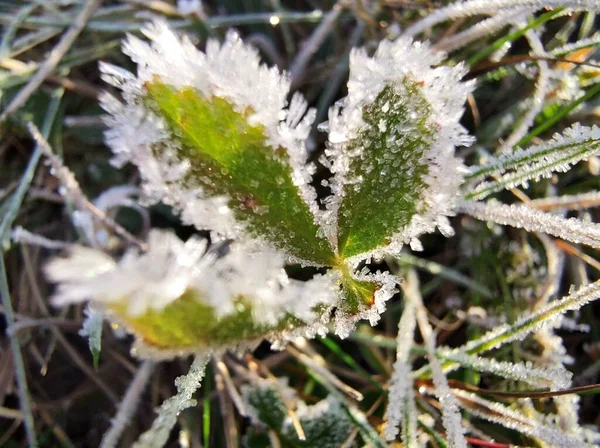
216,137
234,162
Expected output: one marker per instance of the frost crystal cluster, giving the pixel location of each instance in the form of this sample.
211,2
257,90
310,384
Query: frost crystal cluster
214,136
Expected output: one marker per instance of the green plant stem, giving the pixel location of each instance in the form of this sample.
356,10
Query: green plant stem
5,227
561,113
513,36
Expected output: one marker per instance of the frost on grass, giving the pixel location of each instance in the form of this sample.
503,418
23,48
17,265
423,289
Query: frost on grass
187,384
554,377
391,149
179,296
529,323
520,216
401,408
451,417
539,161
503,415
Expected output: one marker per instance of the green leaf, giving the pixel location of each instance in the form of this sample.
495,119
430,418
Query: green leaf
357,293
267,405
92,328
189,324
257,437
389,170
325,424
231,158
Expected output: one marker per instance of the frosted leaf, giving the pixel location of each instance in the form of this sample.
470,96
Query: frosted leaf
325,424
158,434
557,155
380,287
92,329
401,405
265,404
523,217
228,160
179,296
391,148
149,280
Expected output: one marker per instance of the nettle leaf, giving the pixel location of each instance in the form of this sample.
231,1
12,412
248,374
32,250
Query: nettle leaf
229,157
178,298
189,325
386,179
325,424
214,136
391,150
265,403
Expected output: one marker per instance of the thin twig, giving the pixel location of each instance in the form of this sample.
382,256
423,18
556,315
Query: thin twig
53,58
44,322
73,190
17,359
233,393
128,406
311,46
9,315
74,354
